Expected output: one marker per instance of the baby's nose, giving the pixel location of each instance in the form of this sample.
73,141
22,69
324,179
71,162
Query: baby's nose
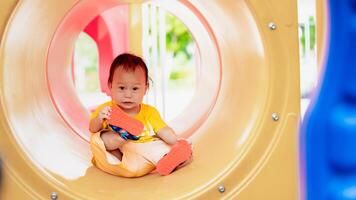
128,94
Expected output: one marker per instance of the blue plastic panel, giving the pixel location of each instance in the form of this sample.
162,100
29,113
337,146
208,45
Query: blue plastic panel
329,137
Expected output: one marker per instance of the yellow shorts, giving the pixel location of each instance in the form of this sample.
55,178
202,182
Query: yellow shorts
138,158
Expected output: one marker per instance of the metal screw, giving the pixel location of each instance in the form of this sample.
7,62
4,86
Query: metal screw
272,26
275,117
54,196
221,189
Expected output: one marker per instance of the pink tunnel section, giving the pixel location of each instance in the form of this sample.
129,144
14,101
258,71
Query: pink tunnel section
109,30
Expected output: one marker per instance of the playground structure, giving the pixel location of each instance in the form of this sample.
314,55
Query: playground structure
243,120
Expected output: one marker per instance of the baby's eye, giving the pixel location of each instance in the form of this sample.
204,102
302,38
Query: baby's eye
121,88
135,88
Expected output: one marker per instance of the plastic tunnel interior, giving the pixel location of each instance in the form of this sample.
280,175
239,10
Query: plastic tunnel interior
249,72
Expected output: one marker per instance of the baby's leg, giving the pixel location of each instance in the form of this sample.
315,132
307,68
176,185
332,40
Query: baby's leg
117,153
112,140
152,151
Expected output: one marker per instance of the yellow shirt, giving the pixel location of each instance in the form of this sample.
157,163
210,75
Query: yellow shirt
148,115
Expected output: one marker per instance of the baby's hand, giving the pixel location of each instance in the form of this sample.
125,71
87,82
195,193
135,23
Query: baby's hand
105,113
189,142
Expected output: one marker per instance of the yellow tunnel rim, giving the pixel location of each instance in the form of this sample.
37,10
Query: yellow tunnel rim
41,103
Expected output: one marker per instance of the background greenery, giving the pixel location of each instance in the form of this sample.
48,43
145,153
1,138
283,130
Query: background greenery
312,35
180,44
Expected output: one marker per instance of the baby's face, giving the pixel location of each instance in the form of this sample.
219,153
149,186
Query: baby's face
128,89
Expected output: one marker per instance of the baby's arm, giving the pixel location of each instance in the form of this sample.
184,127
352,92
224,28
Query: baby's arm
167,134
96,124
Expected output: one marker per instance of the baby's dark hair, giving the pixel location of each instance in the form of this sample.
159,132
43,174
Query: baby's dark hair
128,62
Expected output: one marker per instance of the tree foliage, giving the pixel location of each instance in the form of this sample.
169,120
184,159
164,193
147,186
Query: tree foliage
178,38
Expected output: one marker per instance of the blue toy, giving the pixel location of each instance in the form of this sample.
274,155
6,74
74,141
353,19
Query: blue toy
330,128
124,134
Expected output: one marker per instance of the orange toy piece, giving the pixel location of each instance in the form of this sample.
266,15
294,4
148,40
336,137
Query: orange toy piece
120,119
179,153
